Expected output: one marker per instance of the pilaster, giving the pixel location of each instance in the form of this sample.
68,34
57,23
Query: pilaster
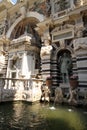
46,59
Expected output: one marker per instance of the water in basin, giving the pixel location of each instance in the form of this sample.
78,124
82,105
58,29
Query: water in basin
23,116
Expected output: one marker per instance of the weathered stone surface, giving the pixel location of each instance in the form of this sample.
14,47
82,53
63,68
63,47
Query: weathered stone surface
80,44
29,93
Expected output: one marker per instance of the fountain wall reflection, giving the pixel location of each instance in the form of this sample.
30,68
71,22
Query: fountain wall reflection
23,116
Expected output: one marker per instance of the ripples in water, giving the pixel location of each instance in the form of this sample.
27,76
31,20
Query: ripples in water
22,116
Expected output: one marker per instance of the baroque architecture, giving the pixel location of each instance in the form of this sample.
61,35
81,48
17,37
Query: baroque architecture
34,37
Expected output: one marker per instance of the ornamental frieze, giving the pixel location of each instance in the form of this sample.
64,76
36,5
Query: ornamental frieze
80,44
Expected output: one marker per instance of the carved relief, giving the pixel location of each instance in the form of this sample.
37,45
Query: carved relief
62,43
60,5
80,43
78,31
46,50
62,27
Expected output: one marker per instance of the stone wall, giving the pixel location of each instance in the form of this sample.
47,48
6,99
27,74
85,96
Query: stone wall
80,48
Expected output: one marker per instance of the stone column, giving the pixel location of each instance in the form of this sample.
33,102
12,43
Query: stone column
46,59
74,64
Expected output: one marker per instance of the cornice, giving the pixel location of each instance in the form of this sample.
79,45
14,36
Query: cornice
70,12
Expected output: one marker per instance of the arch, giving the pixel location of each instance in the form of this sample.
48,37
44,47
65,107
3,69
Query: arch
36,15
64,65
57,52
62,51
58,49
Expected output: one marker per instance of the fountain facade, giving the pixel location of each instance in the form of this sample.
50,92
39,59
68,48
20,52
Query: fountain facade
35,35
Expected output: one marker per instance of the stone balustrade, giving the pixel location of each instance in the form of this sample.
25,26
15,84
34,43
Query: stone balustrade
20,89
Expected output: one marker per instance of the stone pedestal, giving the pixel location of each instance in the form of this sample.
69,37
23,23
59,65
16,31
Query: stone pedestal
65,88
23,90
73,83
58,95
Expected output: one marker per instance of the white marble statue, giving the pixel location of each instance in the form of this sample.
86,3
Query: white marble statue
46,50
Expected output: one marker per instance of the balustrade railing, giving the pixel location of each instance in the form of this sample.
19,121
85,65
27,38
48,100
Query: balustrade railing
26,84
20,89
17,84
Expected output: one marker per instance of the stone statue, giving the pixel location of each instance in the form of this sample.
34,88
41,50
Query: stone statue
46,50
45,93
73,96
65,66
58,95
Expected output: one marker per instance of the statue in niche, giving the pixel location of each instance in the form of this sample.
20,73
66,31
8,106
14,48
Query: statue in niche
65,66
16,63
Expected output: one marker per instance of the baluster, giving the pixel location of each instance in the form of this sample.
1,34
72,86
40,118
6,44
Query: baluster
26,84
13,83
30,84
7,85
